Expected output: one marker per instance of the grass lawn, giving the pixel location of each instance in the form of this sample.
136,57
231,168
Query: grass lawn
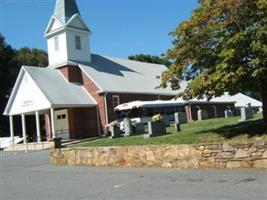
206,131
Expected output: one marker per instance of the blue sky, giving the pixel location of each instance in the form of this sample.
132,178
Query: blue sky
119,27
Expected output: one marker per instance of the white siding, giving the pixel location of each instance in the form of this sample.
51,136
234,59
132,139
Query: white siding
59,56
75,54
54,25
67,50
76,22
28,97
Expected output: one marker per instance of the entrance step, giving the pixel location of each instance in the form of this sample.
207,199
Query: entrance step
30,146
6,142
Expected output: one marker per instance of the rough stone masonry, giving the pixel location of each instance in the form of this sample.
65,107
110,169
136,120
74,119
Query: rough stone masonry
245,155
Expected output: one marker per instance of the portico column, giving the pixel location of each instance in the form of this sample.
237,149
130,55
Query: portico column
11,129
52,123
23,128
38,126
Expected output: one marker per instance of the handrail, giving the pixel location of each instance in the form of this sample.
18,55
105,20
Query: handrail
35,144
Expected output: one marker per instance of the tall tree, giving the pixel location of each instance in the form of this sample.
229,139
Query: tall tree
222,47
7,73
150,59
7,65
10,64
32,57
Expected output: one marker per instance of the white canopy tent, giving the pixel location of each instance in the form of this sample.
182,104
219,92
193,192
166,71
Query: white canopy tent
240,100
144,104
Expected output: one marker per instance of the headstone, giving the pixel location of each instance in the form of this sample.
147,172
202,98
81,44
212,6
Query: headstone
202,114
176,118
180,117
166,119
128,129
139,128
177,127
246,113
156,129
249,111
228,113
243,114
176,121
115,131
260,110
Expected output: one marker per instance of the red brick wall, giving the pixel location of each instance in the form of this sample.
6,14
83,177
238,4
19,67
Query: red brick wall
82,122
75,74
93,89
72,73
65,72
125,98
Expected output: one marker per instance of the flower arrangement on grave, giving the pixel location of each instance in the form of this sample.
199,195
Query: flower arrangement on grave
106,129
115,123
157,118
108,126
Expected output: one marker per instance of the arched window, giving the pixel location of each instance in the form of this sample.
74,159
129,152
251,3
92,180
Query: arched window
78,45
56,43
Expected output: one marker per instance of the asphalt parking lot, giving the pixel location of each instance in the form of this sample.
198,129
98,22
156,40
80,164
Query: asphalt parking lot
29,175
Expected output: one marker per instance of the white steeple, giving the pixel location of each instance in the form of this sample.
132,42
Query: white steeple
67,35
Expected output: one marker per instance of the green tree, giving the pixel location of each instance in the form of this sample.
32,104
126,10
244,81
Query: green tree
222,47
32,57
11,61
7,65
150,59
7,74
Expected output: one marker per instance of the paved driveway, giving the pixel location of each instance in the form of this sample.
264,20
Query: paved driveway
30,176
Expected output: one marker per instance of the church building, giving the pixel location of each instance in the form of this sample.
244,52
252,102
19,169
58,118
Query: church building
78,91
75,96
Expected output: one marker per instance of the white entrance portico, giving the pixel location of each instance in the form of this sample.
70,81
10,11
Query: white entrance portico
44,92
26,99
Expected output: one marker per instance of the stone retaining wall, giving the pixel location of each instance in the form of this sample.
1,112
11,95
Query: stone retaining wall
252,155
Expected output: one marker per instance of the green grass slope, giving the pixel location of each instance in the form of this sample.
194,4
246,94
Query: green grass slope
206,131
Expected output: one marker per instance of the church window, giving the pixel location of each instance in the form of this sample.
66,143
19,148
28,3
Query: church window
115,100
56,44
78,42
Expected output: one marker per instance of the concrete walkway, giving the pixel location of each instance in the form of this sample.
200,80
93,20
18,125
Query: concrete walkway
33,146
30,176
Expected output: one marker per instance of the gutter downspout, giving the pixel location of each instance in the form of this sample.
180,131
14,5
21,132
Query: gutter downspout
98,122
106,107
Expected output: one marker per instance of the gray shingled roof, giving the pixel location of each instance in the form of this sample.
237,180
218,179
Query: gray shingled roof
65,9
58,90
126,76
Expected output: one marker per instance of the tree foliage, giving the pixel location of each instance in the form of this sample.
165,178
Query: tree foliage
11,61
150,59
7,69
222,47
32,57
